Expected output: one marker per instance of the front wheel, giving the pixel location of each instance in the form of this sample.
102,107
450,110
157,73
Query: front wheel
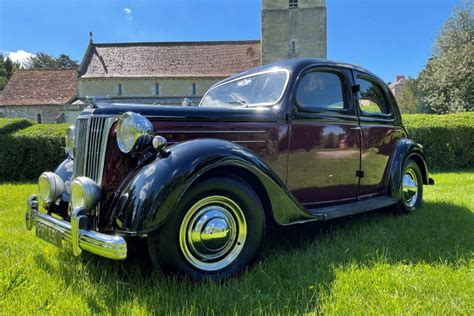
217,231
412,188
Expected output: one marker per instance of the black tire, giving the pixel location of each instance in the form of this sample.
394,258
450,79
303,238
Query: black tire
412,171
173,249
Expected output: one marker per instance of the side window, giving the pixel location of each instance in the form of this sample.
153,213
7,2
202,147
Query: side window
320,91
372,98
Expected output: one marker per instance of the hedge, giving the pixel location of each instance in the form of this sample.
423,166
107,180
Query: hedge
26,153
10,125
448,139
27,149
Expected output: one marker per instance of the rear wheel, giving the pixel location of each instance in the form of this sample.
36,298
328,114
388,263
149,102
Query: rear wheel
217,231
412,188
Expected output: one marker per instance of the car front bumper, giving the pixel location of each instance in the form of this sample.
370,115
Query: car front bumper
58,231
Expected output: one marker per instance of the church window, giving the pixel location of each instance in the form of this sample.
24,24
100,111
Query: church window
157,89
119,89
293,48
194,88
293,4
38,118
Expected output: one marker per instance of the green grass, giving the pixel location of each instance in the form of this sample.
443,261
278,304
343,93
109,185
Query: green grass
377,263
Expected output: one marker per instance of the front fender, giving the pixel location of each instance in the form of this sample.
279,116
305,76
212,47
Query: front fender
153,194
64,171
406,148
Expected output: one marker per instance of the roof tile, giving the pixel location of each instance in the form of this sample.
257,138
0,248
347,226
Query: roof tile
174,59
40,87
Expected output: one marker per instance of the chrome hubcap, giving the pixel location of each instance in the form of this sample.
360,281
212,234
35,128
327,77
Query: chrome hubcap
410,187
213,233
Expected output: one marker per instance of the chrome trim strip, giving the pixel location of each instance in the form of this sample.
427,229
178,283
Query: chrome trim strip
108,246
207,132
232,141
249,141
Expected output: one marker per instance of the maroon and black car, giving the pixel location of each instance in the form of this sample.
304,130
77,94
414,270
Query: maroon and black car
292,142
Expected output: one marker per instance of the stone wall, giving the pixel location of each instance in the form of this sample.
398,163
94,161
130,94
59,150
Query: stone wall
144,87
48,113
291,33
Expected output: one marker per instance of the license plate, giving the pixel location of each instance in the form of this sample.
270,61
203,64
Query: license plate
49,234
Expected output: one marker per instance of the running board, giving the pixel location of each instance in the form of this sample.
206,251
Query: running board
335,211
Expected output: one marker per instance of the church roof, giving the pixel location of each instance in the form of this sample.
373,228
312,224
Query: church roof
169,59
40,87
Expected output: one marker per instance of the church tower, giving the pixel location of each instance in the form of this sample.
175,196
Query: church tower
293,28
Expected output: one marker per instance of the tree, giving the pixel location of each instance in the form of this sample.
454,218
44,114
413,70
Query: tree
408,99
65,61
43,60
447,81
7,68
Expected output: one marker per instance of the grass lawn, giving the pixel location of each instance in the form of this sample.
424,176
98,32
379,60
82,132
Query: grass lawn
376,263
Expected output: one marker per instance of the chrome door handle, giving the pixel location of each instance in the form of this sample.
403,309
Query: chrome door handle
355,128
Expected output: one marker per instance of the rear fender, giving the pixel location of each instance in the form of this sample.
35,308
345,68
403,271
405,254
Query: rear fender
406,149
153,194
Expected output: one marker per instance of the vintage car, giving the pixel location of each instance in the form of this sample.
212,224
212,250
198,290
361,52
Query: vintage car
292,142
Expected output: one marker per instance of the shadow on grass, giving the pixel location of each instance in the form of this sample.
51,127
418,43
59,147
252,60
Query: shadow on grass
294,259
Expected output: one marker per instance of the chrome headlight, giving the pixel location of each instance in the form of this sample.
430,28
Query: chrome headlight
50,186
133,132
70,138
85,193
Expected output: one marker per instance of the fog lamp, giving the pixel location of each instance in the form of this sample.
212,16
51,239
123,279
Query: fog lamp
50,186
85,193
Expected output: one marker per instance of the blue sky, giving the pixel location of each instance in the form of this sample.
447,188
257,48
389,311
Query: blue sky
388,37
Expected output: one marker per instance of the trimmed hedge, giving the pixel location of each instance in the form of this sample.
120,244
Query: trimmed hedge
10,125
448,139
26,153
27,149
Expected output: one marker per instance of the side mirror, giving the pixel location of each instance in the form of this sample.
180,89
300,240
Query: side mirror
187,102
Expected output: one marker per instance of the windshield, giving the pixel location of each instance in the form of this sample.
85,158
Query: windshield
261,89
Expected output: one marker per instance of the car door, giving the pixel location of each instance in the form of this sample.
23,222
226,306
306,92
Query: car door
324,151
379,133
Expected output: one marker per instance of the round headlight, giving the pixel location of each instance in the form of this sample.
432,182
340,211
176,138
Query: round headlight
85,193
50,186
70,138
133,132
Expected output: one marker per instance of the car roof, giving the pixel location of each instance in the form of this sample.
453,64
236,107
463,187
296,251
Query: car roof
297,64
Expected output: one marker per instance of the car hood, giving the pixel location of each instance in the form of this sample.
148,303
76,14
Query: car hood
180,113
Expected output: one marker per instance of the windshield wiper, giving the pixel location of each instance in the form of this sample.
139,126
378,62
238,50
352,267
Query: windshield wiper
239,102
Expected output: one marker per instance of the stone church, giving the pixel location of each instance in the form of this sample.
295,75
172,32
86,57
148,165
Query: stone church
165,73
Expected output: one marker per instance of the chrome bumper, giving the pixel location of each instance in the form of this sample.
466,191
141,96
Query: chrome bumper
112,247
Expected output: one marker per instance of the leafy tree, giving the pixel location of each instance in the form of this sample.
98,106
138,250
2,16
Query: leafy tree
43,60
7,68
65,61
409,99
447,82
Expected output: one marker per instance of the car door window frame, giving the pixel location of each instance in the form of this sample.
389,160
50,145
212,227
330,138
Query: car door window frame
364,76
348,110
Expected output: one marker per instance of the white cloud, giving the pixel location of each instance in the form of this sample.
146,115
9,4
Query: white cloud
128,13
20,56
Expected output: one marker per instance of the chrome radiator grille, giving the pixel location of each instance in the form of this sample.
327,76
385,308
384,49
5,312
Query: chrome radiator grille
91,142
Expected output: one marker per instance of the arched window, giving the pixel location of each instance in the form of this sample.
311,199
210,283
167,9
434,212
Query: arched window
119,89
292,52
38,118
194,88
157,89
